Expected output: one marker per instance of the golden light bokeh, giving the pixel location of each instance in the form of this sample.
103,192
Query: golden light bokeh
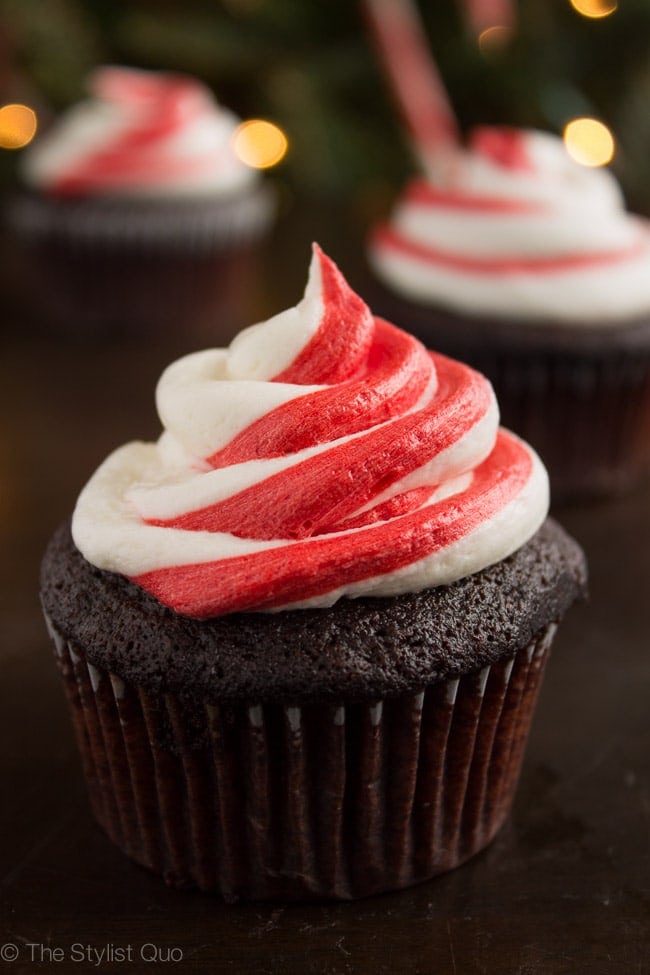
594,8
260,144
494,38
17,126
589,142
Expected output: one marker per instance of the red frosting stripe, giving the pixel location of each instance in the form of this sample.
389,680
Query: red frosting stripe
174,96
390,239
426,194
396,374
374,370
339,349
504,145
157,107
314,495
310,568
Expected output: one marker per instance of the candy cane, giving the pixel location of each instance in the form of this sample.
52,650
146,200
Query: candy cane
415,80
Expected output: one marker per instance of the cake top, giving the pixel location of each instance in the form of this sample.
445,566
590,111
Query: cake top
325,453
359,648
140,133
513,226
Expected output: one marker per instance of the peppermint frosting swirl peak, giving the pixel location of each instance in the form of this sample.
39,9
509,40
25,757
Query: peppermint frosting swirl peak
325,453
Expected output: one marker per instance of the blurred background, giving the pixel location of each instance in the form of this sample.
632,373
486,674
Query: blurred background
310,68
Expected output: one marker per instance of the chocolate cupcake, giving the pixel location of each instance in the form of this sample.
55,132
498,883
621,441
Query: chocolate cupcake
526,265
302,635
136,210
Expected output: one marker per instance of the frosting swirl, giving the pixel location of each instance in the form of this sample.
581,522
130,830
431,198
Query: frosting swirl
515,227
140,133
324,453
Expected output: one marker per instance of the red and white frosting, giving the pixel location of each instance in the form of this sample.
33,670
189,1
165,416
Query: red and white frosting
141,133
515,227
324,453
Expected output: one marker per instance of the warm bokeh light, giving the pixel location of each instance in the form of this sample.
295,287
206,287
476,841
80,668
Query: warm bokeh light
260,144
594,8
17,126
494,38
589,142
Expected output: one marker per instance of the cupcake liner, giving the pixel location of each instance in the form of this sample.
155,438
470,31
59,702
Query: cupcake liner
587,416
186,225
136,267
207,298
320,801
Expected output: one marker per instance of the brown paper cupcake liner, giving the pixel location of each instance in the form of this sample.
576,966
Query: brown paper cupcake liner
320,801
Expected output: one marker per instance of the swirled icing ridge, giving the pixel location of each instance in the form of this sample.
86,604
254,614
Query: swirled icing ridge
515,227
324,453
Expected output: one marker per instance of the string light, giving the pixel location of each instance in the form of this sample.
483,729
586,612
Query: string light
17,126
594,8
589,142
260,144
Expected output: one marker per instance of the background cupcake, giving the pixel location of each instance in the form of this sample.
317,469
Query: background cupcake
137,207
527,264
511,255
302,635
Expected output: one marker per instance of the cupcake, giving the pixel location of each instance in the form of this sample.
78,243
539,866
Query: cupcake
303,633
526,264
137,207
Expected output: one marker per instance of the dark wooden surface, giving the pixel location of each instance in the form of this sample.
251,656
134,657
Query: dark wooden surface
565,888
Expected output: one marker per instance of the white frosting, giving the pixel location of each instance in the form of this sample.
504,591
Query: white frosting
194,157
203,408
265,350
554,242
136,482
604,296
109,531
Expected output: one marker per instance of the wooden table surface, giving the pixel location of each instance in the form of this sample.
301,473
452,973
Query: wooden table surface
565,887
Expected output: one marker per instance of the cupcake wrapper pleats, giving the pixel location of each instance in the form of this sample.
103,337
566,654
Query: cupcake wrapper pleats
102,226
319,801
